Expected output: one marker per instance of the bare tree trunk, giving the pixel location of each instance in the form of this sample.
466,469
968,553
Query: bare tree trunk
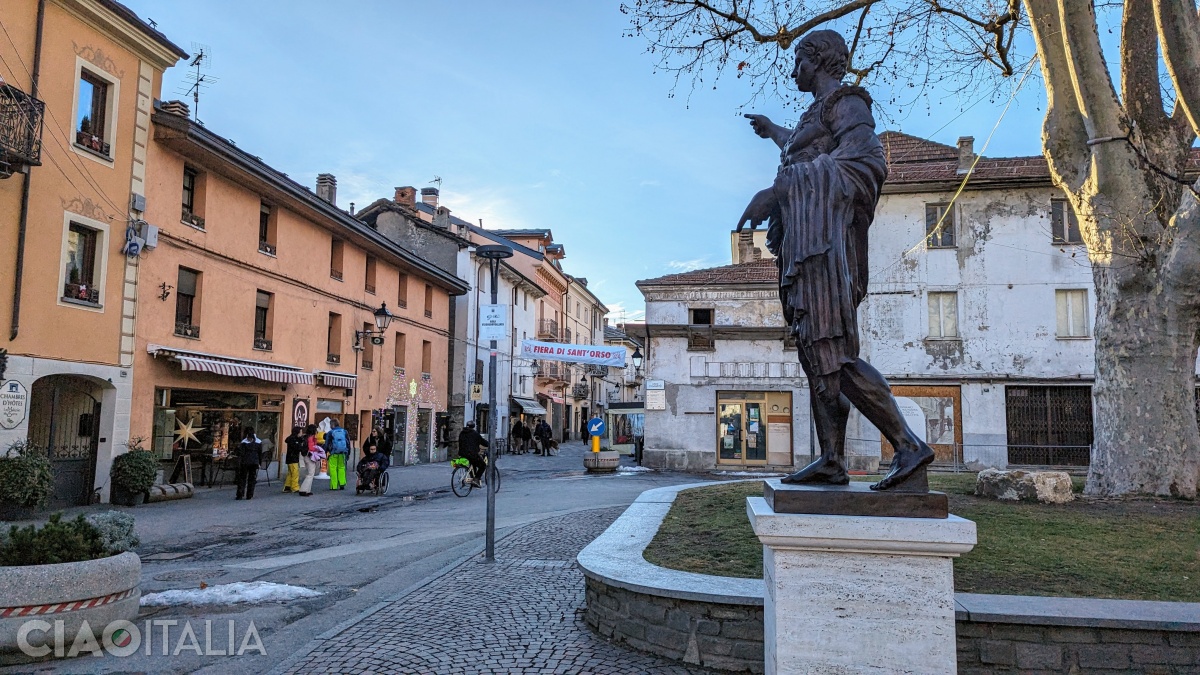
1146,437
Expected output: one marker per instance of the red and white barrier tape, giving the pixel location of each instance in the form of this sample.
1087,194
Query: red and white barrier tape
74,605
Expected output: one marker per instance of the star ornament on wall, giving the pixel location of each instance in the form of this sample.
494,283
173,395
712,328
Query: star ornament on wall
186,432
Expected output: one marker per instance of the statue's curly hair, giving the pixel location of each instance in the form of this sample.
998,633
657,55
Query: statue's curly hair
828,50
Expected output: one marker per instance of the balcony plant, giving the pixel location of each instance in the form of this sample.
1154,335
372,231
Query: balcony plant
26,481
133,473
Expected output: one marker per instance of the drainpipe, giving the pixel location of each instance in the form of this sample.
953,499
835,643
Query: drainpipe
19,266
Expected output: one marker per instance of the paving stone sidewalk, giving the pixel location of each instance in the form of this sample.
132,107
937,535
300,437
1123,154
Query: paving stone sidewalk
518,615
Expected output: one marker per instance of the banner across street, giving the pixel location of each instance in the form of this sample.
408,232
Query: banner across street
556,351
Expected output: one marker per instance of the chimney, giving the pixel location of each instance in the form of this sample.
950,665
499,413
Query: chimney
406,196
441,218
327,187
966,153
430,196
176,108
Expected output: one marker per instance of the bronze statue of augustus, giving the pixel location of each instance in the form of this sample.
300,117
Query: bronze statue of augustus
831,171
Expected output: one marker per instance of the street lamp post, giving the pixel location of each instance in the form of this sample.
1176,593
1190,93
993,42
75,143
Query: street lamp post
493,253
383,319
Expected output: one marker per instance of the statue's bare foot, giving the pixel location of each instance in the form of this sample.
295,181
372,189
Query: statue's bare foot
823,471
904,464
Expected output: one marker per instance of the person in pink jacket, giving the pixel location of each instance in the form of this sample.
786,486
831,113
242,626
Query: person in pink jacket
310,459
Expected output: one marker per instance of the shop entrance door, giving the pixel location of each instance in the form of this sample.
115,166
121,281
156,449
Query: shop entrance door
741,429
424,436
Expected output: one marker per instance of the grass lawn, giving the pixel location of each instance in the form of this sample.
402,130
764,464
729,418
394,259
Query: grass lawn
1136,549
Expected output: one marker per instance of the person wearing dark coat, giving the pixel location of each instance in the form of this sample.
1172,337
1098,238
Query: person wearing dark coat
469,444
249,456
296,444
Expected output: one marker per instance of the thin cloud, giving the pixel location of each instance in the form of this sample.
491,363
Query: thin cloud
619,313
688,265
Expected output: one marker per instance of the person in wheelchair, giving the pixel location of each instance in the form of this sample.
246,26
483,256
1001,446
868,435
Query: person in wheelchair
369,469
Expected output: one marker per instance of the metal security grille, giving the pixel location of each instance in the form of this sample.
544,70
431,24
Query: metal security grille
1049,426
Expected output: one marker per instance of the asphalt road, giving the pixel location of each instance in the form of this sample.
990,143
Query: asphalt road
357,551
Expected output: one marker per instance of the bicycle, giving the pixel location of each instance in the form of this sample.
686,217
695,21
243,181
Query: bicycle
460,476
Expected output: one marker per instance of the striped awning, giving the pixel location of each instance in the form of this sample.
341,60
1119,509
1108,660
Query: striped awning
231,367
529,406
339,380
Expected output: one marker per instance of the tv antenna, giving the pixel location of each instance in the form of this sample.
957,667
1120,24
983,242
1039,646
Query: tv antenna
438,180
199,78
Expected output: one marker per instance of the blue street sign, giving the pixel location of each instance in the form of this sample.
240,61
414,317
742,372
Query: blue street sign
596,426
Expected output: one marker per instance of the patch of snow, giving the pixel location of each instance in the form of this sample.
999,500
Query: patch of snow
252,592
756,474
634,469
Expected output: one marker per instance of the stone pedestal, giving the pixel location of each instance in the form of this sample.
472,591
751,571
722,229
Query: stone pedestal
858,594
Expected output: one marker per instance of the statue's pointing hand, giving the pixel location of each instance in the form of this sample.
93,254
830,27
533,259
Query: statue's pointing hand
760,208
761,124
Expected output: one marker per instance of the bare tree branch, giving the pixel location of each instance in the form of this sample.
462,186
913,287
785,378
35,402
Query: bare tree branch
1089,73
1179,31
1064,138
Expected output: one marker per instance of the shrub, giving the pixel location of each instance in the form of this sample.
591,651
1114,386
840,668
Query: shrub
56,542
26,476
135,470
116,531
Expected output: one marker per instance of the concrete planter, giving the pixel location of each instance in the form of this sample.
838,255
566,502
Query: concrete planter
605,461
97,591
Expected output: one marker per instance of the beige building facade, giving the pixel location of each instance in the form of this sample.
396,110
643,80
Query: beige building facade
79,77
256,304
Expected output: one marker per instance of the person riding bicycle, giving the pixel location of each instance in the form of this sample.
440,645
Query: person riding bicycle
469,443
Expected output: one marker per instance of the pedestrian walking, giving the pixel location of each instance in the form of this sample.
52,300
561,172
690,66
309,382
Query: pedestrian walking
249,455
311,458
514,438
544,433
337,444
297,444
526,438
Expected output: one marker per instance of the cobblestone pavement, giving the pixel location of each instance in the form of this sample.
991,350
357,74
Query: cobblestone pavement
521,614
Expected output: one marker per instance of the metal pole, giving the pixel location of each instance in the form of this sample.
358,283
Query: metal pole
493,420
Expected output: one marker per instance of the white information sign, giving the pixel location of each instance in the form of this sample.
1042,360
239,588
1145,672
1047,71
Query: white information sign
493,323
656,399
655,384
14,401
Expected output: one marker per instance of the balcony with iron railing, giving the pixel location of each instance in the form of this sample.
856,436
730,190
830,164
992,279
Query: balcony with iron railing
262,344
547,329
580,391
335,274
266,247
20,128
557,372
333,358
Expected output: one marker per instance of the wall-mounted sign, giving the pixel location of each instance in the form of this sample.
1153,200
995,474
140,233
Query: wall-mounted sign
300,412
656,399
14,402
655,384
477,392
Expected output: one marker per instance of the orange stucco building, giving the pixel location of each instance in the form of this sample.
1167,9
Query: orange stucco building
251,299
79,77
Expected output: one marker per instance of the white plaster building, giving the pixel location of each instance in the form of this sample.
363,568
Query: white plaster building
979,312
515,375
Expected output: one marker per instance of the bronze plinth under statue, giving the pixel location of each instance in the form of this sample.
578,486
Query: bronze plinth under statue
819,209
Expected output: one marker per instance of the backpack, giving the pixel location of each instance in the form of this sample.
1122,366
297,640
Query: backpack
337,441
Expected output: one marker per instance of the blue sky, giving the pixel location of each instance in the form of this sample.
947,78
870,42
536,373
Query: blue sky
533,113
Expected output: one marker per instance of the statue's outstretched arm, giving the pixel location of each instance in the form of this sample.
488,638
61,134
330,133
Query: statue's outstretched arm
765,128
